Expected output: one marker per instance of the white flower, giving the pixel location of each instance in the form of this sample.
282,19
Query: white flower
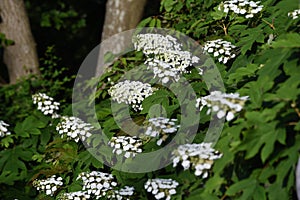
199,157
222,103
49,185
294,14
220,49
3,129
78,195
160,128
97,183
129,145
164,56
74,128
131,92
46,104
243,7
155,43
123,193
161,188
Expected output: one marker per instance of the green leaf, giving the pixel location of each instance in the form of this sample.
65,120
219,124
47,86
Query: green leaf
289,40
218,14
246,186
242,73
12,168
152,22
168,4
248,37
159,97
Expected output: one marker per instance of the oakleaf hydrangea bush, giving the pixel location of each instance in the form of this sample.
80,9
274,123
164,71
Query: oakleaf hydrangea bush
75,195
220,49
74,128
255,46
164,56
4,129
160,128
242,7
199,157
123,193
49,185
97,183
294,14
130,146
46,104
161,188
225,105
131,92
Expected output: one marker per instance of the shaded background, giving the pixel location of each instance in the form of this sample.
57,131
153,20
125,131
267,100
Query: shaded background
72,27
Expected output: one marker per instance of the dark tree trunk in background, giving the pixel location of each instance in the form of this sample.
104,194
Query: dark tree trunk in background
121,15
20,58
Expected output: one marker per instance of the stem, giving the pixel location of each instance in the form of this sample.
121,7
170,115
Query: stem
225,29
271,25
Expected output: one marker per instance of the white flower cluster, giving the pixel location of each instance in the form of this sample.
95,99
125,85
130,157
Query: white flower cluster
221,49
131,92
164,56
46,104
122,194
161,188
243,7
129,145
294,14
3,129
151,43
79,195
74,128
49,185
223,104
97,183
160,127
199,157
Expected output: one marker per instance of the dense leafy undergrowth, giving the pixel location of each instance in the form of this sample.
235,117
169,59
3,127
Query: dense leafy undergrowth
255,45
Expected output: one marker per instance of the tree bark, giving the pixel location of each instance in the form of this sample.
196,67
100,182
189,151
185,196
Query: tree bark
20,58
121,15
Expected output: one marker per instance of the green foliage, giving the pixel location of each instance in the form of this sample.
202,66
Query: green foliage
22,152
62,15
260,146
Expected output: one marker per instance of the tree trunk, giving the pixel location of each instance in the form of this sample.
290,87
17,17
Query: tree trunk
121,15
20,58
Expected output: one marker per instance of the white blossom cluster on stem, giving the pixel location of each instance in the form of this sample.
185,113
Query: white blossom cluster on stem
49,185
199,157
3,129
97,184
46,104
122,194
160,128
164,56
151,43
131,92
220,49
130,146
161,188
242,7
74,128
78,195
225,105
294,14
